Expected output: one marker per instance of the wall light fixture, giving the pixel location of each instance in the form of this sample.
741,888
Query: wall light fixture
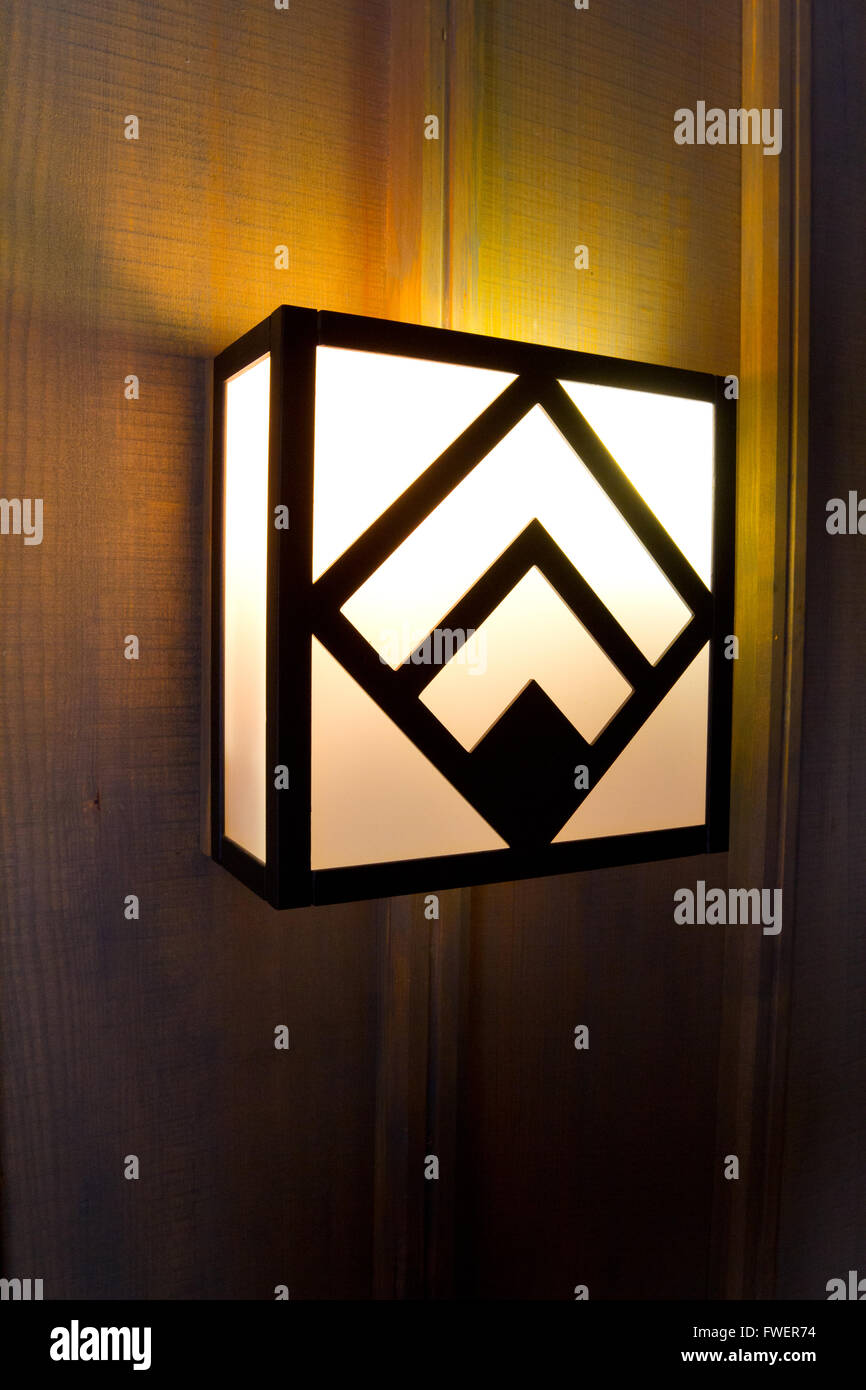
470,605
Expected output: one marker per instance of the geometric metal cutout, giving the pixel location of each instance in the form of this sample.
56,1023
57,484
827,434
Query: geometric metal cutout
531,635
486,511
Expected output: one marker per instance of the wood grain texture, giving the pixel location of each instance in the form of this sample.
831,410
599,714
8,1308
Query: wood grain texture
415,238
420,975
152,1037
401,1100
822,1228
258,127
421,1013
156,1037
589,1167
563,130
598,1167
408,1037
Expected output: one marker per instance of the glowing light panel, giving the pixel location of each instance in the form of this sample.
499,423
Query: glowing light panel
380,421
245,534
665,445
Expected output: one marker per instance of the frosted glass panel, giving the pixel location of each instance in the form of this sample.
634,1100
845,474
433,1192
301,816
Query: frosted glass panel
659,781
245,599
380,421
375,797
532,635
531,473
665,446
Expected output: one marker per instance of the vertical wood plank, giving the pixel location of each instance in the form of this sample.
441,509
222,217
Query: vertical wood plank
414,228
401,1099
421,1007
822,1230
771,489
465,88
592,1167
418,958
447,1061
155,1036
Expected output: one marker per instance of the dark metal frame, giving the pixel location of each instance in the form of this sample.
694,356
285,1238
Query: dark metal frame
299,609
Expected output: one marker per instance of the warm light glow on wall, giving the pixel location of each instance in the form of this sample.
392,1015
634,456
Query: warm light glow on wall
489,644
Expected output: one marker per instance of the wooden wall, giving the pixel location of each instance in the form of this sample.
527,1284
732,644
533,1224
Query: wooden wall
593,1168
823,1200
155,1038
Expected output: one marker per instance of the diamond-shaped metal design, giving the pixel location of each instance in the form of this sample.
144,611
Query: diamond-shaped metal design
519,777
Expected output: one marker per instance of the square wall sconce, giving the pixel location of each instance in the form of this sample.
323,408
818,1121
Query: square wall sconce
470,603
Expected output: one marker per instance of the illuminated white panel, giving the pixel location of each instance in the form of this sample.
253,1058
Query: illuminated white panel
532,472
380,421
374,796
531,635
665,446
659,781
245,598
